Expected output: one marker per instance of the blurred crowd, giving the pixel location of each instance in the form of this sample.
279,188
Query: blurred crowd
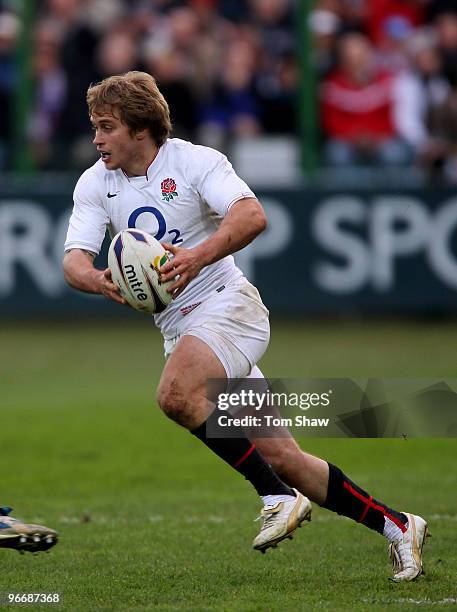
386,88
388,83
227,68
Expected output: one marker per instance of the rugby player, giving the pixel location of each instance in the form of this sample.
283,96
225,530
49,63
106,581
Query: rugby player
216,327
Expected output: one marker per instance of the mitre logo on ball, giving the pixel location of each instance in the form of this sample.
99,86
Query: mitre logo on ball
135,258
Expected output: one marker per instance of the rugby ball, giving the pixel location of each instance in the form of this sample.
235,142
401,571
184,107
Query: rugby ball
134,258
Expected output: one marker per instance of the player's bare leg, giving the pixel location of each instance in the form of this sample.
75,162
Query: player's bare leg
299,469
182,389
182,395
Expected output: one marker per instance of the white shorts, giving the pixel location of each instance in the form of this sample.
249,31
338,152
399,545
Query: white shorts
233,323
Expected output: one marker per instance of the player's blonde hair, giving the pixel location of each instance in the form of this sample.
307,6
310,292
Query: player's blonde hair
137,99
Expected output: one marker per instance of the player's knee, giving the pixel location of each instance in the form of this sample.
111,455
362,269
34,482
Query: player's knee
172,400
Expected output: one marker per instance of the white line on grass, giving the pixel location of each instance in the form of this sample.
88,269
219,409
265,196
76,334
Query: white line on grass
443,517
410,600
211,518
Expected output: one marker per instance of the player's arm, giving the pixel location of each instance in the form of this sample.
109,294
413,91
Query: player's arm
244,221
80,273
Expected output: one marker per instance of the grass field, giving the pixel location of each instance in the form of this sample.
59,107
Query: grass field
150,520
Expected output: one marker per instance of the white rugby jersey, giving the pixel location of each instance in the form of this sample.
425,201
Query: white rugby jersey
186,192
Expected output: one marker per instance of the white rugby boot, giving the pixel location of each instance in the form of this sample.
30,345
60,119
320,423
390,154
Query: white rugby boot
281,520
406,552
24,536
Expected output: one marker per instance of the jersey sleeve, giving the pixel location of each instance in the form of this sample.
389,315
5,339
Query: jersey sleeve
218,184
89,219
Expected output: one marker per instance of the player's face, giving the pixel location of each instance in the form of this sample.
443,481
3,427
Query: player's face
118,147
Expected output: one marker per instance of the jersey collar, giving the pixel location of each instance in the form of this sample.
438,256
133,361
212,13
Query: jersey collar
151,170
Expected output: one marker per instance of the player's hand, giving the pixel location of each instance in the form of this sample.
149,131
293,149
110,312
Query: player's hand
108,288
185,264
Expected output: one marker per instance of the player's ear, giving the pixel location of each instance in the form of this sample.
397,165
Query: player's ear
141,134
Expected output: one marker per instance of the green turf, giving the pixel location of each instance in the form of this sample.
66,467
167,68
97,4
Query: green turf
149,519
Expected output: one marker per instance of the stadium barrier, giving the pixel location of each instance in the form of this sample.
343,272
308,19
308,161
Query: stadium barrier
324,252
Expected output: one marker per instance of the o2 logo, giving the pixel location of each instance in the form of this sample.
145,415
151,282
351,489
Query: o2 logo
162,230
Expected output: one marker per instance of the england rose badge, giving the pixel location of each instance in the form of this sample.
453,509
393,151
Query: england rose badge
168,187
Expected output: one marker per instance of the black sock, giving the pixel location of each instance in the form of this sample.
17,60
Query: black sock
242,455
348,499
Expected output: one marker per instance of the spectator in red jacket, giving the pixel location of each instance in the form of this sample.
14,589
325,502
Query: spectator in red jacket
357,109
380,12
